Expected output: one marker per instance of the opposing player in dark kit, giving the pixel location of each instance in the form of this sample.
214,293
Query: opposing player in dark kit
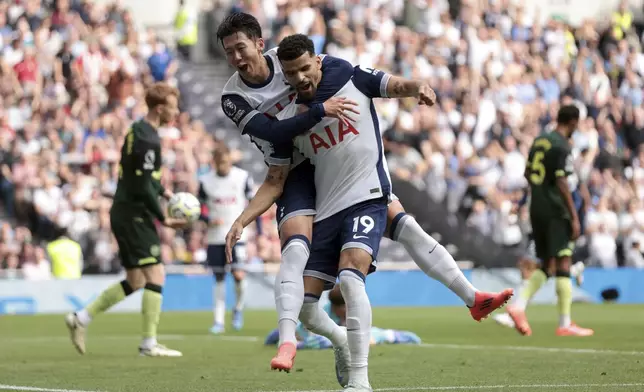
133,214
555,222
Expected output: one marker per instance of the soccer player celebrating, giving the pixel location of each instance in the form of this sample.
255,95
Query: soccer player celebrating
225,190
555,222
253,96
135,208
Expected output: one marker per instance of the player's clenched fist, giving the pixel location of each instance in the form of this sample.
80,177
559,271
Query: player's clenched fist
234,234
426,96
340,108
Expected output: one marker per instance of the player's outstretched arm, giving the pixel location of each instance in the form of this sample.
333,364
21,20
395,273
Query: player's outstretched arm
270,190
399,87
252,122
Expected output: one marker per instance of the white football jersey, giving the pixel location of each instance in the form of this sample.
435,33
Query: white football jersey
226,198
350,165
241,101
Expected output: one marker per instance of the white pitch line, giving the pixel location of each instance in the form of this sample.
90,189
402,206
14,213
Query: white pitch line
486,387
21,388
45,339
532,348
242,338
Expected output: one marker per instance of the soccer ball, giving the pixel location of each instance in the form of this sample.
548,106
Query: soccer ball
184,205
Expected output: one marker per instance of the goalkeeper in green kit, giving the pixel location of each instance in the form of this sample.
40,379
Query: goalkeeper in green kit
132,217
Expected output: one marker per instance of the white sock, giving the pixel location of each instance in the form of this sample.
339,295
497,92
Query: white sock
240,290
83,317
518,301
289,287
433,258
148,342
355,296
220,302
564,320
316,320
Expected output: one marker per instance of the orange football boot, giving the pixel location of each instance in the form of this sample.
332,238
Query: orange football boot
486,303
285,357
574,330
520,320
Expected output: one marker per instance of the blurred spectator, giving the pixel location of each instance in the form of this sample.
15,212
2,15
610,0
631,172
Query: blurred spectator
186,29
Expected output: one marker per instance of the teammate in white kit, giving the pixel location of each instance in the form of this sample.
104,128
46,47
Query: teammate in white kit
225,190
257,87
352,183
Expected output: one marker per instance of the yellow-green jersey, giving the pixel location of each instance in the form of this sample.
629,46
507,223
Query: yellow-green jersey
549,159
139,184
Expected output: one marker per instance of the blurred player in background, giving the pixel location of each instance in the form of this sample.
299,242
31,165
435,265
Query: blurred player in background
225,190
554,220
135,208
528,263
337,311
253,96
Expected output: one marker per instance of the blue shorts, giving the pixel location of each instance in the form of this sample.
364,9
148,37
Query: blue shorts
216,257
360,226
298,196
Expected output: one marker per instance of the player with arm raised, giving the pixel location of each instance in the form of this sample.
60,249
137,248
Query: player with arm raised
353,189
135,208
554,220
251,98
225,190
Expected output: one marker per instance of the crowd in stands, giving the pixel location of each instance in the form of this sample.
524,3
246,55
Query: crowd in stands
73,73
72,78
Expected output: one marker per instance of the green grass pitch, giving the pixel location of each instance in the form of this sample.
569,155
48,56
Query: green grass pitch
458,354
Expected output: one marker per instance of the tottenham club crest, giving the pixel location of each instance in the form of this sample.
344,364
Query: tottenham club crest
229,107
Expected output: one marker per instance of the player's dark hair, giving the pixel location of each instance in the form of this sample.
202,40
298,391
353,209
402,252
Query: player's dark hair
239,22
567,113
335,297
295,46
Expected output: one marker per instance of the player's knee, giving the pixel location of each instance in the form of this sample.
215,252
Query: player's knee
355,259
134,279
295,254
239,275
394,224
297,226
128,288
308,312
563,264
154,274
313,286
349,277
296,240
154,288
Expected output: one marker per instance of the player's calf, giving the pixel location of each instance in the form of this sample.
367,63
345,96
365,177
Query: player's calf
79,321
151,311
240,290
316,320
354,266
219,301
430,256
